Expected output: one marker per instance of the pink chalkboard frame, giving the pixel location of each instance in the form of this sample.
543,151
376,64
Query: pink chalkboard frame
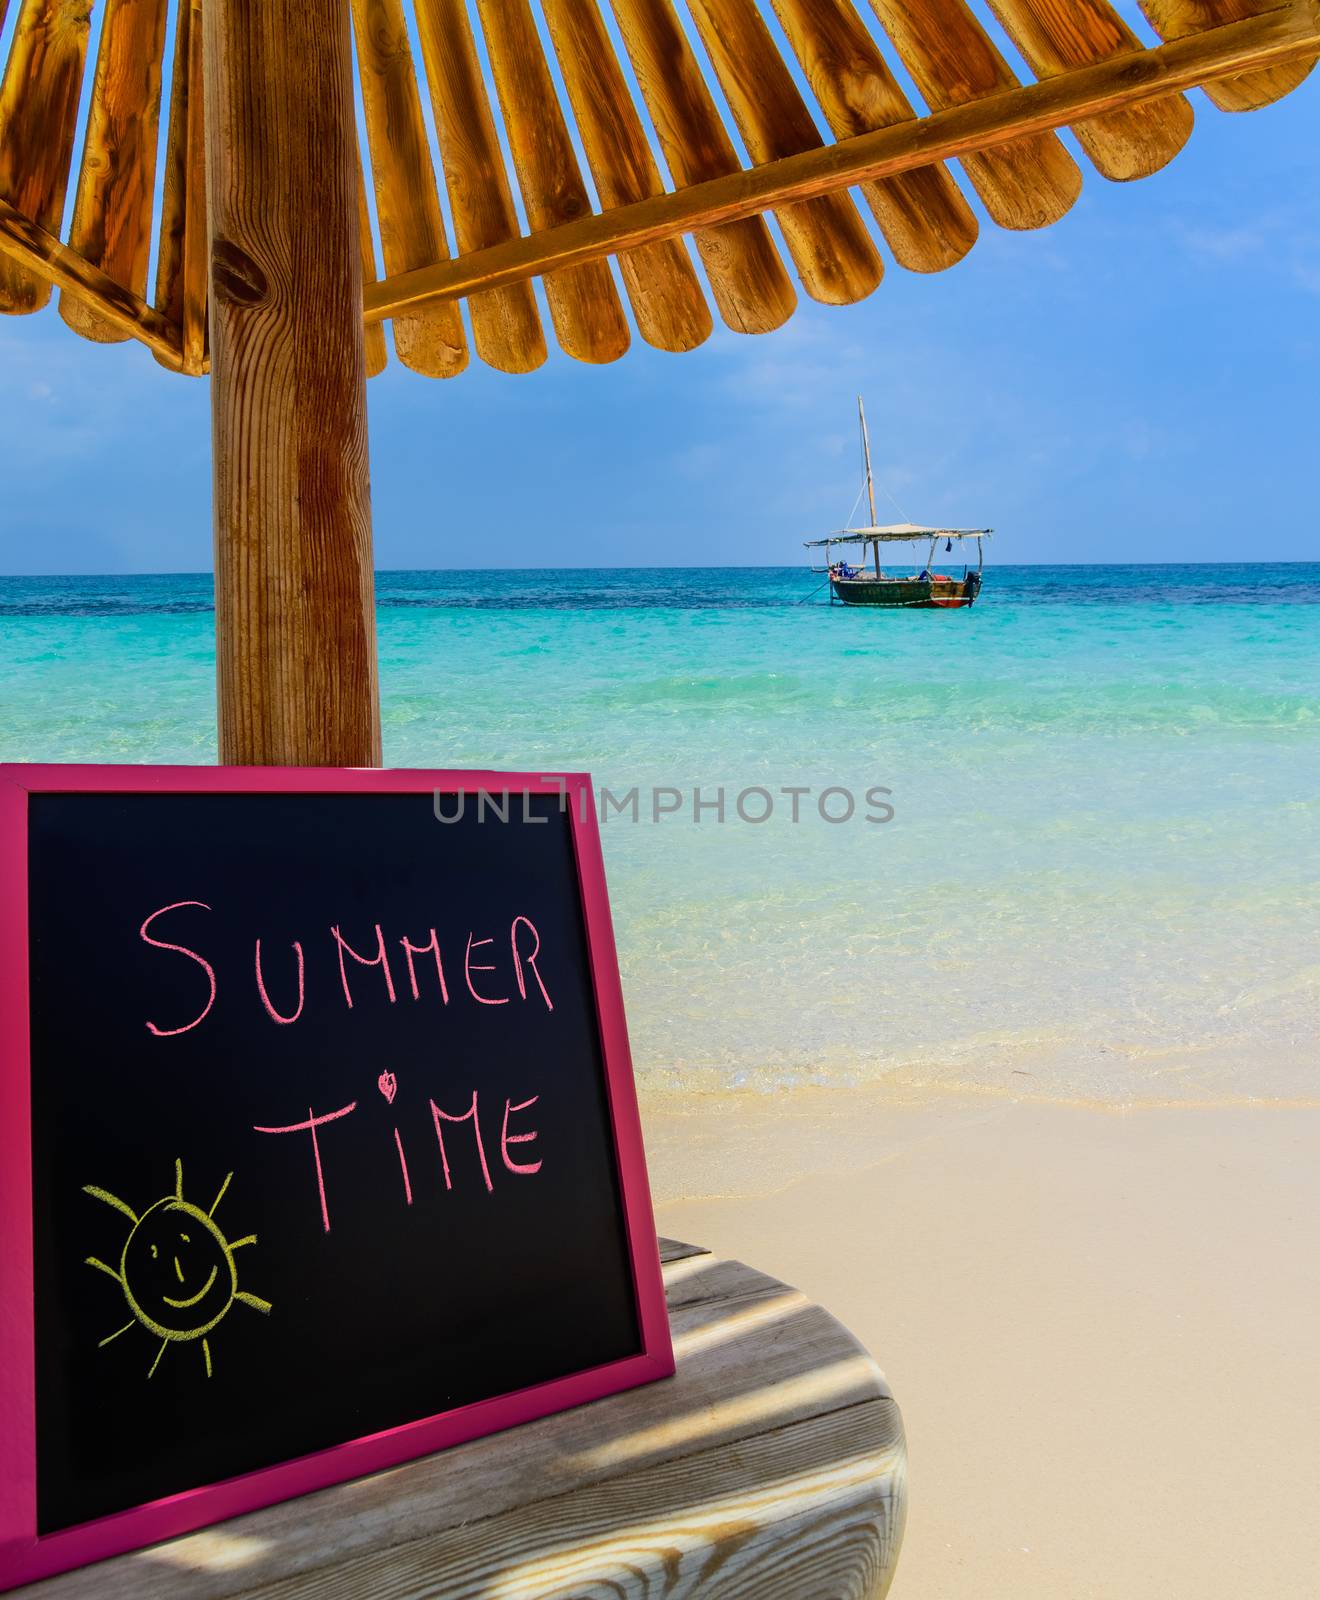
23,1555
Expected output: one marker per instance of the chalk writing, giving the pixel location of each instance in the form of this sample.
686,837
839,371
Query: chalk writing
516,968
278,1016
456,1168
442,1117
207,968
312,1123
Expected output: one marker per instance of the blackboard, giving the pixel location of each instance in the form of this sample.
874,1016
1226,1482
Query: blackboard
327,1130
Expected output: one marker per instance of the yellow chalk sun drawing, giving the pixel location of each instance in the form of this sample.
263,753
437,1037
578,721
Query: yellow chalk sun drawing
177,1270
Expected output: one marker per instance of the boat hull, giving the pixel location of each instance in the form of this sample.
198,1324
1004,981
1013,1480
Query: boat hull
932,593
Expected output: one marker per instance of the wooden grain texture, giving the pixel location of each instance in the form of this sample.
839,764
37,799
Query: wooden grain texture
751,289
677,1250
584,304
116,181
807,1513
181,261
506,327
196,273
1175,19
295,624
41,254
770,1467
826,237
1027,183
1255,43
174,185
412,231
38,114
667,302
1055,36
925,219
375,355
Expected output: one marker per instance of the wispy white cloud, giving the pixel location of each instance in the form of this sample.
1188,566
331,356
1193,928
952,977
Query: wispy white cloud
1225,244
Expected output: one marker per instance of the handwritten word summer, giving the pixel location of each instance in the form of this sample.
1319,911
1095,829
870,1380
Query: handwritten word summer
495,968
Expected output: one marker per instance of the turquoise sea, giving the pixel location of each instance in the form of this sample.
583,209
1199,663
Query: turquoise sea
1101,879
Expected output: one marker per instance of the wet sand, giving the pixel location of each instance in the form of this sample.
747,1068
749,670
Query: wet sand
1103,1326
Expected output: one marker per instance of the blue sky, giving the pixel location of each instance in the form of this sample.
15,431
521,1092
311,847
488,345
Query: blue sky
1138,382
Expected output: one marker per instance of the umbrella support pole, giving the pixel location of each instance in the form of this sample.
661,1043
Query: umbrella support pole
295,613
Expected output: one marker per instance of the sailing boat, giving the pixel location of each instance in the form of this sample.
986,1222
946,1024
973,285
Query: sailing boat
858,586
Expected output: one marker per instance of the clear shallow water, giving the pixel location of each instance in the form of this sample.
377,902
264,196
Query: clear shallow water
1102,878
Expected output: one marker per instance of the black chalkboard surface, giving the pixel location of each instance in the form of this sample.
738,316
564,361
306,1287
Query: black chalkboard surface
323,1138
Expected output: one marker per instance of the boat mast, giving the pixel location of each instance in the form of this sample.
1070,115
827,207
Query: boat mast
870,486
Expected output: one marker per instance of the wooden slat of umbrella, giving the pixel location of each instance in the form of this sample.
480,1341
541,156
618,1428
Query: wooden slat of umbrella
373,345
1057,35
38,117
181,264
1175,19
506,327
666,298
1027,184
988,124
827,239
412,231
1092,68
925,219
584,305
196,266
113,203
174,189
747,279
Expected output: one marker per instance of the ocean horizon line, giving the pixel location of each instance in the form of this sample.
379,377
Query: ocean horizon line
656,566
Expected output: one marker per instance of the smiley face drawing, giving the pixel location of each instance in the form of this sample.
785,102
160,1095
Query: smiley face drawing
177,1270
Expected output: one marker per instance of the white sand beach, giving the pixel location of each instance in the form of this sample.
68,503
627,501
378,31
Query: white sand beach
1101,1325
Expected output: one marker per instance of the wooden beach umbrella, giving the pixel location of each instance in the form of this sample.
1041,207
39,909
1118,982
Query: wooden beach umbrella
628,129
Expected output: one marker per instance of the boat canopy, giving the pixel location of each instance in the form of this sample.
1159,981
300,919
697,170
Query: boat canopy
896,531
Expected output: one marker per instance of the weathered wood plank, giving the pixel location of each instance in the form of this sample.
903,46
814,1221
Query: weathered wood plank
584,304
42,254
751,288
676,1250
703,1279
295,619
815,1509
506,328
1255,43
1057,35
181,260
922,214
666,298
770,1428
113,203
38,115
826,237
1025,183
412,232
1247,91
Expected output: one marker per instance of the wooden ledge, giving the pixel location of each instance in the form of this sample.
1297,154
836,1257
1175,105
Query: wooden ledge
772,1464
